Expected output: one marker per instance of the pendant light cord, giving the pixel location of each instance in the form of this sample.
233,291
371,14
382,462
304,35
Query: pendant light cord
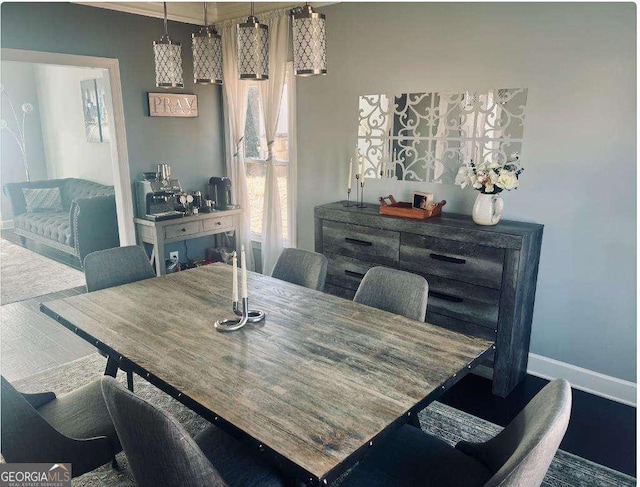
166,32
205,14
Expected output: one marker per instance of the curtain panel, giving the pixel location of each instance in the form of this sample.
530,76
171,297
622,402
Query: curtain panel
235,96
270,97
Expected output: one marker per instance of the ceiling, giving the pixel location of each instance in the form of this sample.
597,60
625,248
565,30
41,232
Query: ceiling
192,12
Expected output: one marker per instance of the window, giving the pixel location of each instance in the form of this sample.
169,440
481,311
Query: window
255,150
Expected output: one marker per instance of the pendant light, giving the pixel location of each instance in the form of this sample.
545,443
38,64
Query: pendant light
207,54
168,60
309,41
253,49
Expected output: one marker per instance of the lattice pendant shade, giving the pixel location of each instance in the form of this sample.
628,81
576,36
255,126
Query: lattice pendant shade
309,42
207,56
168,60
253,50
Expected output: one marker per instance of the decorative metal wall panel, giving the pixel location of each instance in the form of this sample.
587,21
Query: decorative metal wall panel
428,136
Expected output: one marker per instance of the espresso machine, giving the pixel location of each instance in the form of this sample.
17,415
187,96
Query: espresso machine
220,193
156,195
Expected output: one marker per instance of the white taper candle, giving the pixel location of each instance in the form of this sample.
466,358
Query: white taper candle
234,261
350,173
243,257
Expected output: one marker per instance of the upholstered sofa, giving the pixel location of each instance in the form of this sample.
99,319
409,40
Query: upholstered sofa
81,220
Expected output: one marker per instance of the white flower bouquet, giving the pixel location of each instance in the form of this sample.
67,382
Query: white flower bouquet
491,177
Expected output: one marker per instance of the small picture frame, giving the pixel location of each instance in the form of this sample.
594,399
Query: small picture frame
421,200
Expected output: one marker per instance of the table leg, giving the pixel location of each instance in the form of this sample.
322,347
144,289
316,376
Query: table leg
158,247
111,368
414,421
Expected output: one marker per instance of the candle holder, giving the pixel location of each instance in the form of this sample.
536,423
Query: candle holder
348,198
253,316
361,204
236,323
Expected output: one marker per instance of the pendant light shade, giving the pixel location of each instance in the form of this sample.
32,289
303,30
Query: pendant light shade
309,42
207,54
168,60
253,49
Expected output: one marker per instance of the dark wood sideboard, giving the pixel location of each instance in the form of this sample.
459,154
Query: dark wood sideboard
482,280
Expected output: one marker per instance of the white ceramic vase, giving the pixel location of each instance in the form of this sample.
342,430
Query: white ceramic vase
487,210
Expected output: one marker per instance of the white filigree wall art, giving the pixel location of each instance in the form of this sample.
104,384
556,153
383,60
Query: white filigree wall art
428,136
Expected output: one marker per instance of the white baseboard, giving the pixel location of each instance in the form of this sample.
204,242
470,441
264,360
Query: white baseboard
586,380
6,224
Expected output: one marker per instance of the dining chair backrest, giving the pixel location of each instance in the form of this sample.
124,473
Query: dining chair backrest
158,448
26,436
21,425
522,452
395,291
116,266
302,267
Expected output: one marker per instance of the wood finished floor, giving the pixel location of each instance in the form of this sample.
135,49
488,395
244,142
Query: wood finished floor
31,342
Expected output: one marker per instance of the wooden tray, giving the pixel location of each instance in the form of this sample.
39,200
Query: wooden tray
405,210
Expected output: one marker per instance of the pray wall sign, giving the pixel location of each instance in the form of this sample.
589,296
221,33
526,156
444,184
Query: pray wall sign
172,105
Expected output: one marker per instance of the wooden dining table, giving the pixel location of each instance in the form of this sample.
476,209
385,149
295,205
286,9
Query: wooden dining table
313,387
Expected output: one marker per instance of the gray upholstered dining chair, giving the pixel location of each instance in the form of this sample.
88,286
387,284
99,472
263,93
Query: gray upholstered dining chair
519,455
161,452
395,291
115,267
74,428
302,267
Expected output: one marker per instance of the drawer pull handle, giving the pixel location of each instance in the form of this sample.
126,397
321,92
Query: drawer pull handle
218,223
355,241
446,297
446,258
354,274
184,229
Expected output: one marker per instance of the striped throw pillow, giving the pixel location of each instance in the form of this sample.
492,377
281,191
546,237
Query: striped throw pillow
42,199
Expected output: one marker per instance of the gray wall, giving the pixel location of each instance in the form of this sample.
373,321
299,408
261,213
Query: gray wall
19,80
193,147
578,62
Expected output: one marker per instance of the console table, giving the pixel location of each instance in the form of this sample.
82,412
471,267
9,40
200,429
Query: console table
482,280
162,232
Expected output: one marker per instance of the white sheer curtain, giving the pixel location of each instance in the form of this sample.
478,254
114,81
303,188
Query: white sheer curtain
270,96
235,118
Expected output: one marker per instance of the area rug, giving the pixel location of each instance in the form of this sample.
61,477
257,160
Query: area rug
438,419
25,274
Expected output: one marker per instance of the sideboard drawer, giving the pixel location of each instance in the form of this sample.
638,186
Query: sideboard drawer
221,223
468,262
174,231
475,304
346,272
359,242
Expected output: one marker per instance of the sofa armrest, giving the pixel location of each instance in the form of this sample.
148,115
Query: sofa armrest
94,224
16,196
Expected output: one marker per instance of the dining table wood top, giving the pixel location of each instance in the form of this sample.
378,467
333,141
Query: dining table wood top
316,382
